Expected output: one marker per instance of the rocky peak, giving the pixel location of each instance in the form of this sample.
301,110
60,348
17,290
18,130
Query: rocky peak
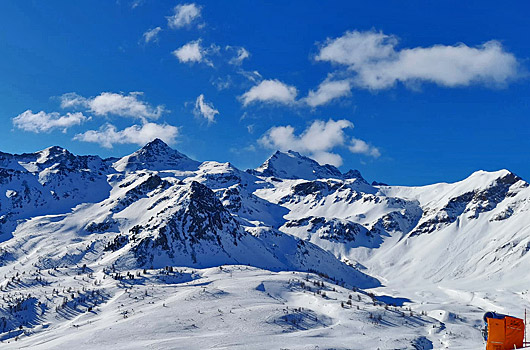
157,146
205,216
52,159
156,155
53,155
355,174
293,165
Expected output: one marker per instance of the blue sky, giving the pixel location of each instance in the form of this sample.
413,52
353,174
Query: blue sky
409,94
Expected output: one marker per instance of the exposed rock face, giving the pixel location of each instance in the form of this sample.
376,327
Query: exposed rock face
198,222
333,230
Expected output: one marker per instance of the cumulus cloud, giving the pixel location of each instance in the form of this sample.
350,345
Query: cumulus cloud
358,48
271,91
184,15
204,109
327,91
327,158
318,141
72,100
190,52
151,35
241,55
114,103
194,52
46,122
361,147
108,135
378,64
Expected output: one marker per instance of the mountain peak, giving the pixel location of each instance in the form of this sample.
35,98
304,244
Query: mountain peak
485,178
56,149
156,144
156,155
52,153
355,174
293,165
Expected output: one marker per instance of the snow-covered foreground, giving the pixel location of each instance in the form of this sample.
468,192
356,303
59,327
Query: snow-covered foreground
156,250
228,307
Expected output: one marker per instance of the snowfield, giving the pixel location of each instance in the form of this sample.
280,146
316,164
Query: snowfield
158,251
228,307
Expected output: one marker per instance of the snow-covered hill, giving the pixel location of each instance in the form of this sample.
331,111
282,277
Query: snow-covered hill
292,254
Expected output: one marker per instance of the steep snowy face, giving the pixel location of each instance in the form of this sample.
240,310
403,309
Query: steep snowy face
156,155
54,163
21,195
150,221
482,192
347,217
185,224
292,165
48,182
189,225
473,230
72,179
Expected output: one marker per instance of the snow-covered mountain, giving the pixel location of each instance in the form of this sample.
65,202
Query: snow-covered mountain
78,232
47,182
156,155
292,165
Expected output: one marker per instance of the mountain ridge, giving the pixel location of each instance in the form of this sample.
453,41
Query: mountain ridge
64,216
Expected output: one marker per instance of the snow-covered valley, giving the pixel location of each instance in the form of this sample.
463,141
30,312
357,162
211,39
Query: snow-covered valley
158,251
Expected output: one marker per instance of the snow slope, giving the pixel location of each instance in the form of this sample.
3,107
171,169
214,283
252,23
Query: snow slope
175,253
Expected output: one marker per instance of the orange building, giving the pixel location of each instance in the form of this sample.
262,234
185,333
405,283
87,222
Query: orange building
503,332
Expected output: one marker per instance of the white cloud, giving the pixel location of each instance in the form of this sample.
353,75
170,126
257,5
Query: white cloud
272,91
358,48
113,103
318,141
327,158
72,100
46,122
184,15
361,147
151,35
108,135
190,52
327,91
204,109
194,52
377,64
241,55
